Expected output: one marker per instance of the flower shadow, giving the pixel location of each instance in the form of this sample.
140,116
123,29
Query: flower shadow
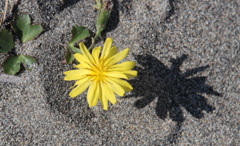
173,89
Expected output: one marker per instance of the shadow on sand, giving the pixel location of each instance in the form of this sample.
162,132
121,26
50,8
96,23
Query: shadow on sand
173,89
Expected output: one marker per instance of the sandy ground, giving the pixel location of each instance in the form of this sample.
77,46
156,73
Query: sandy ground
187,91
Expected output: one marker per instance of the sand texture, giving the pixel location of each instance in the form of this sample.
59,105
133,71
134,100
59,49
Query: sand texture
187,92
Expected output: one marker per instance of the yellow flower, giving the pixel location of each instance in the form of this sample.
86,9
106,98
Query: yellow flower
100,72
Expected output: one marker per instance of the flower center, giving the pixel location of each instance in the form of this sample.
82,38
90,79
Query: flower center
99,71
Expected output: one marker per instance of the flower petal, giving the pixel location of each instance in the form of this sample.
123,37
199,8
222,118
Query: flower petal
106,48
103,98
77,71
116,74
122,66
76,74
80,58
113,51
82,66
72,72
82,85
131,73
73,77
116,58
116,87
109,93
124,84
85,52
95,54
92,95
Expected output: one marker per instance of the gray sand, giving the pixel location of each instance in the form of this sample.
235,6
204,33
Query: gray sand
187,91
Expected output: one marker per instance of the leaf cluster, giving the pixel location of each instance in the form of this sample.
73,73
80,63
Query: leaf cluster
21,25
80,32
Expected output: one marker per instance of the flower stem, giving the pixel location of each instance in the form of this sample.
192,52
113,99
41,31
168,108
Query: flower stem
93,41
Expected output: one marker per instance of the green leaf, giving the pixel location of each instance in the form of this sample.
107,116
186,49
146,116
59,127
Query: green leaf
74,49
78,33
12,64
21,26
26,60
69,57
6,41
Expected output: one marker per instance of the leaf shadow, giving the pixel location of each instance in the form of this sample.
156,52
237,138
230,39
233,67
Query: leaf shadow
172,8
68,3
112,21
173,89
114,17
